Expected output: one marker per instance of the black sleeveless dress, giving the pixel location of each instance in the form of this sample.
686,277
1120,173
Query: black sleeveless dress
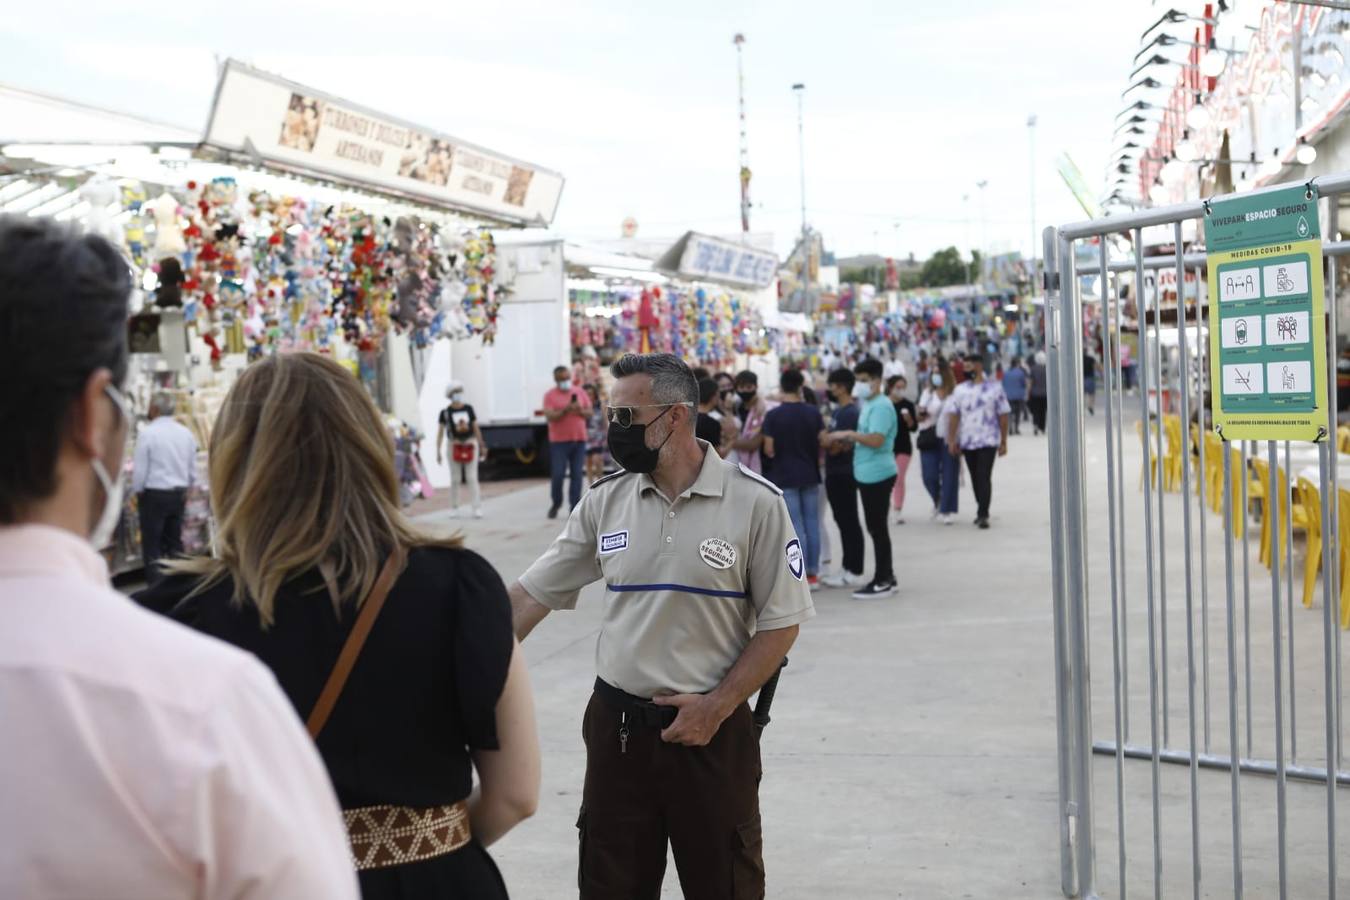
421,697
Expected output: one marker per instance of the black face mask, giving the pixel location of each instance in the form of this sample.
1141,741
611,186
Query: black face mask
629,447
747,397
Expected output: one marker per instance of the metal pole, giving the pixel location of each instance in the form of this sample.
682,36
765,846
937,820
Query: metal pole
1280,506
1289,608
1075,526
1148,566
1202,360
1067,806
1184,351
1231,628
1330,626
1214,761
1247,592
1162,513
1333,540
800,90
1031,181
1113,460
1120,492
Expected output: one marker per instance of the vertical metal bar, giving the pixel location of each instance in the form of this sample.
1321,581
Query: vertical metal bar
1334,536
1075,557
1202,363
1113,460
1231,628
1330,626
1280,505
1162,510
1247,591
1067,806
1120,492
1289,607
1185,373
1148,562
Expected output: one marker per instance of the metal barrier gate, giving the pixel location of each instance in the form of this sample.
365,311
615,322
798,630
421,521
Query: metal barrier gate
1183,818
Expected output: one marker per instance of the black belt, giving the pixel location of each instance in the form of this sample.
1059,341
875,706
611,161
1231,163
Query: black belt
639,710
167,492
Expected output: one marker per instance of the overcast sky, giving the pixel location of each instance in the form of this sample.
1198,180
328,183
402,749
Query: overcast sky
908,104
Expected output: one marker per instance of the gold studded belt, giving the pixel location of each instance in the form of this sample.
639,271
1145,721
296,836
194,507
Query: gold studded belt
384,836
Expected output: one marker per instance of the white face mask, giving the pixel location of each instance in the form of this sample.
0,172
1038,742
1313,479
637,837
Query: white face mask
457,397
113,490
862,390
565,384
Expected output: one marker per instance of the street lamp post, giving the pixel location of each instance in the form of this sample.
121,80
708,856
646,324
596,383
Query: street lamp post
799,89
984,226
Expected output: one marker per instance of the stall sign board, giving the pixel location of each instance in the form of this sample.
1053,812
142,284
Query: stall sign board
701,257
300,128
1268,345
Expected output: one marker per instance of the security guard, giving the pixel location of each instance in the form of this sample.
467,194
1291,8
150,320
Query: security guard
705,590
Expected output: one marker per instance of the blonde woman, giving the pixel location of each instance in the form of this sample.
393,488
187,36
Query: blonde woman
310,540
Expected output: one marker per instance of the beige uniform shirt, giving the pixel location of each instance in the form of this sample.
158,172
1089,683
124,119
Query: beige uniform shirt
688,582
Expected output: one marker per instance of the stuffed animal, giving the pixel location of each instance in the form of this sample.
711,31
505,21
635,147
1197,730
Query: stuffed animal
168,233
170,291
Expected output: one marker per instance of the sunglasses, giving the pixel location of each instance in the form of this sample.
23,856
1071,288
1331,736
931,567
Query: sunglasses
622,416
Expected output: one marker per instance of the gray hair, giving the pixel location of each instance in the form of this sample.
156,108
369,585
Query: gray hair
672,380
163,404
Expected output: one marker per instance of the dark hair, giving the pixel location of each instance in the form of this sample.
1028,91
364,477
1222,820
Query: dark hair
791,380
890,382
672,380
63,314
557,369
745,376
720,375
809,396
843,377
701,373
707,390
869,367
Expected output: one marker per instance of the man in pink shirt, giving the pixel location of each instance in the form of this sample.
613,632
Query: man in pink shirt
566,407
137,758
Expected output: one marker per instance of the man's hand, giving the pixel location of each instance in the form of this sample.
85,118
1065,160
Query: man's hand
699,717
1003,447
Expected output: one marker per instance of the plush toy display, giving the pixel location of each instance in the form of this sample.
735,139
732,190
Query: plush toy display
169,292
168,234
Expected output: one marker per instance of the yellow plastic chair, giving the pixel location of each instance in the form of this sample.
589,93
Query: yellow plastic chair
1309,509
1344,505
1261,475
1172,460
1152,468
1214,477
1239,511
1283,505
1343,438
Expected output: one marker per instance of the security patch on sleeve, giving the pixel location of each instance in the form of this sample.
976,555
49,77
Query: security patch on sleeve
796,563
614,542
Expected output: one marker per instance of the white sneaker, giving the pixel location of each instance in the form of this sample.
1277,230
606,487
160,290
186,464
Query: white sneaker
897,519
934,514
478,514
949,519
851,580
834,581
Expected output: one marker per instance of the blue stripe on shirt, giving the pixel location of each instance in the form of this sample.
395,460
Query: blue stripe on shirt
624,588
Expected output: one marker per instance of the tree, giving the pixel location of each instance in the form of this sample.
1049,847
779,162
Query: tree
943,268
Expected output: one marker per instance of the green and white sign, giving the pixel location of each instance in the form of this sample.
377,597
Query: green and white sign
1267,335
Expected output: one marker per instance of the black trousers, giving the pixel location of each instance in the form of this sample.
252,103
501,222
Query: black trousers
980,462
643,793
876,501
842,492
161,528
1019,411
1038,407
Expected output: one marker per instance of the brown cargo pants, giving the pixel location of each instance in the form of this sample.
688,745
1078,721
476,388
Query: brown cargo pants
703,800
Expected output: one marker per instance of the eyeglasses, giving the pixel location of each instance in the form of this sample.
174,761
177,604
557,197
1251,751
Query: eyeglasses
623,415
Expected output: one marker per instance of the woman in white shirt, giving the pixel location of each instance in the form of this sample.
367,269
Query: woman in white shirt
941,470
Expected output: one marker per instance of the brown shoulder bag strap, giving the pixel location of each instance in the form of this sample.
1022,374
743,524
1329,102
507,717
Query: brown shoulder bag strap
337,679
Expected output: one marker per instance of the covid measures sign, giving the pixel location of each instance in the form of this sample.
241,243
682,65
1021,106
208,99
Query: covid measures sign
1267,335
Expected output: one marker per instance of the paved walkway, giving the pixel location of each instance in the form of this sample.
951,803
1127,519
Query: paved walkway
912,748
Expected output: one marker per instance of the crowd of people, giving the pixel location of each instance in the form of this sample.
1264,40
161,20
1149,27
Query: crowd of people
347,711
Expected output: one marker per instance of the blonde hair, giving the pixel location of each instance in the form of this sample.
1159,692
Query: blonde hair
302,478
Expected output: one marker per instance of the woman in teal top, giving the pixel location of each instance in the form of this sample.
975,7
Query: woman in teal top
874,469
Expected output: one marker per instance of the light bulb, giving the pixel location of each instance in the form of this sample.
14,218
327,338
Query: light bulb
1306,154
1212,63
1186,150
1197,116
1158,194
